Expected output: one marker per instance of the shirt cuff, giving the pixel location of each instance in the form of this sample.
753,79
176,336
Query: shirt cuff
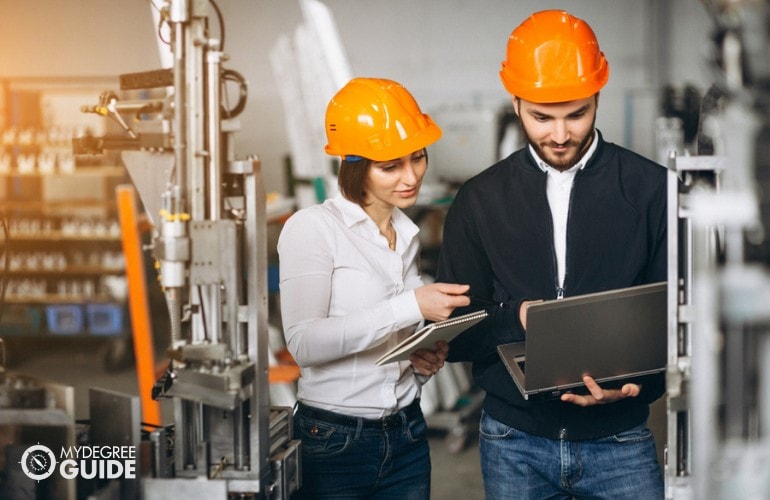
405,308
422,379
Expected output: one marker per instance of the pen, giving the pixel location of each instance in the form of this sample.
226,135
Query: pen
487,302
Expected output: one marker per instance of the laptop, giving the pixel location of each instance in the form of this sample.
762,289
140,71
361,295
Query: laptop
612,335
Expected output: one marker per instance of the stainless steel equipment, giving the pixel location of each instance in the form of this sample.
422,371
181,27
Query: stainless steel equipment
38,411
719,304
209,212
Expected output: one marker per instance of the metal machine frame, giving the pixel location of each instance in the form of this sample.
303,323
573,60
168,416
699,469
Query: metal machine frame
718,378
687,177
212,257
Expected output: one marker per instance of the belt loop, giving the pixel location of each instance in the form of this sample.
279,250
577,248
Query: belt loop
359,427
413,410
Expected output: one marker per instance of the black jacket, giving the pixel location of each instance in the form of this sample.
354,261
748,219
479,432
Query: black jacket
498,237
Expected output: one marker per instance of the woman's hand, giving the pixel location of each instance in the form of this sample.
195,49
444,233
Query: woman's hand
427,362
438,300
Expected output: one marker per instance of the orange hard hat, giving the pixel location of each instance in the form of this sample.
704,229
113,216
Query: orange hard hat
553,56
377,119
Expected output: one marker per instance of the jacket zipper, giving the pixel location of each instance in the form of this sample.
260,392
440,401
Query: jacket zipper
554,261
560,290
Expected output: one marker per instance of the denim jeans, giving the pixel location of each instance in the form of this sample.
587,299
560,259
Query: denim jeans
515,464
359,461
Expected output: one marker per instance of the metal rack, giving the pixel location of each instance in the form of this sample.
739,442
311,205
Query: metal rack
209,211
719,286
687,177
718,445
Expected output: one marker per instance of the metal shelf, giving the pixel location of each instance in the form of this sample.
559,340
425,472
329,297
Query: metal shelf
68,272
51,298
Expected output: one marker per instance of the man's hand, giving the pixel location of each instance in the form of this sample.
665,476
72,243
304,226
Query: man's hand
523,311
599,396
427,362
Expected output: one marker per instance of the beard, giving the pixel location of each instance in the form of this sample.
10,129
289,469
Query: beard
561,162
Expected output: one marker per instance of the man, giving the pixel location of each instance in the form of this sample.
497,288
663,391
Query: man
568,214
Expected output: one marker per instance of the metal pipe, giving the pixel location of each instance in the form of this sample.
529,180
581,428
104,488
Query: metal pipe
705,380
175,316
213,59
180,122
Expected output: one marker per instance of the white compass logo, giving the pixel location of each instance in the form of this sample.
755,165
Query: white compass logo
38,462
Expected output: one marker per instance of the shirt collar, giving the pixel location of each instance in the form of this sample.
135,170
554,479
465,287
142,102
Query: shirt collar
578,166
353,214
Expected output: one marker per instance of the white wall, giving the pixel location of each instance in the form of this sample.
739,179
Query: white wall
446,51
85,38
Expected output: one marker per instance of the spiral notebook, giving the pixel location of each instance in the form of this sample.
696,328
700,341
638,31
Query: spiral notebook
426,337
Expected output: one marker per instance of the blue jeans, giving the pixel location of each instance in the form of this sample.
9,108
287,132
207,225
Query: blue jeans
515,464
349,457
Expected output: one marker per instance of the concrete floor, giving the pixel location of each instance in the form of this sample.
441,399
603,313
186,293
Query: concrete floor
456,472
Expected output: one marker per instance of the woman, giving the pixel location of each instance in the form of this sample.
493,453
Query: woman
350,290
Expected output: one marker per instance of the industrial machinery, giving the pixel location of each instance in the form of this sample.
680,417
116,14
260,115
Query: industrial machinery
208,209
32,408
718,379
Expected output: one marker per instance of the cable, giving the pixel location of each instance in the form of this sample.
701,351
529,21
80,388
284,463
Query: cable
221,25
152,3
229,75
161,22
203,314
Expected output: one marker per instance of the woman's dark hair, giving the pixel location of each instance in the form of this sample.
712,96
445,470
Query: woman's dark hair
352,178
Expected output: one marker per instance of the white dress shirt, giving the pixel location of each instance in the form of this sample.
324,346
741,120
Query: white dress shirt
558,190
346,299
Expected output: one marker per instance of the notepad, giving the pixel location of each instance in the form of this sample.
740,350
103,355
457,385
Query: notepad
426,337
